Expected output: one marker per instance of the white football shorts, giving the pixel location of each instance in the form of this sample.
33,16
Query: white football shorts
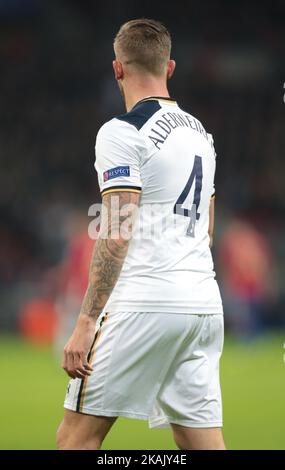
159,367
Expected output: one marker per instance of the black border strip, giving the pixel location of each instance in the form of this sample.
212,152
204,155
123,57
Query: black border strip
137,188
149,98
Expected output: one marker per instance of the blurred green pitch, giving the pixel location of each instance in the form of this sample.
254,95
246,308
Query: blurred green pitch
253,380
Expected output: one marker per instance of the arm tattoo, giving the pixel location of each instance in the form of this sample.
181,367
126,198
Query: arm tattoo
109,252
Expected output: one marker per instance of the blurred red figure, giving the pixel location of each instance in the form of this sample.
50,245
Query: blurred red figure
39,321
76,266
73,280
49,318
246,266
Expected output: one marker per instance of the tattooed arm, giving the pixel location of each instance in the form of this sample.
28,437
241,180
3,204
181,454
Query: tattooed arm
109,252
119,209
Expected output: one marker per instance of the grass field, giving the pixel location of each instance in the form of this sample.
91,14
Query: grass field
253,381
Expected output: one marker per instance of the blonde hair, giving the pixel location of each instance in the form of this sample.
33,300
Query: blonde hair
144,43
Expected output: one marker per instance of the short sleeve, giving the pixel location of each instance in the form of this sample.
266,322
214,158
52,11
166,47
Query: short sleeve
118,153
211,141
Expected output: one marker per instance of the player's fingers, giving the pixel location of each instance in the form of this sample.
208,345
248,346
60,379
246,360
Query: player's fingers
72,364
79,365
65,363
74,367
76,361
70,369
79,375
69,373
85,363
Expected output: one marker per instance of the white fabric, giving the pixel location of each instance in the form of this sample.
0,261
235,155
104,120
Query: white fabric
165,270
160,367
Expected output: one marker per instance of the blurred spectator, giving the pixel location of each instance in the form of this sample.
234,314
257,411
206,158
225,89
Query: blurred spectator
246,277
73,278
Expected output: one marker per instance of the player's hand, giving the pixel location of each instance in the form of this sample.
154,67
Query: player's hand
76,350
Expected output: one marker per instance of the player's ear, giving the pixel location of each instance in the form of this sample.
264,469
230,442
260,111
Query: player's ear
118,69
170,68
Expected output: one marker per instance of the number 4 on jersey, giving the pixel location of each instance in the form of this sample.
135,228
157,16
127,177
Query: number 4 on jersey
193,214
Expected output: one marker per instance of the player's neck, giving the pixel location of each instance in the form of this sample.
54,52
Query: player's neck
135,94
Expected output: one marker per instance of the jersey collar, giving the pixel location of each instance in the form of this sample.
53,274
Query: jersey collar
155,98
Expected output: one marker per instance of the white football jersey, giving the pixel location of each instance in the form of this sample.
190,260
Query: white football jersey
164,153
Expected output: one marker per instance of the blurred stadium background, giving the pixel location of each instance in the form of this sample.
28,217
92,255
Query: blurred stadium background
57,89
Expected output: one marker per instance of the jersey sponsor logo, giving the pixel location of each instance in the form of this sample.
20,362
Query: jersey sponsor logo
116,172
